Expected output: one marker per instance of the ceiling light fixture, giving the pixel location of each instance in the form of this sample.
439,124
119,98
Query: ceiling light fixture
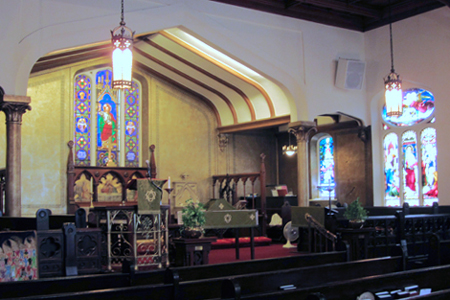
393,84
122,55
289,150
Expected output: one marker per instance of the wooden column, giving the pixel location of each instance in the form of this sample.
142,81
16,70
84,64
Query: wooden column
302,131
13,107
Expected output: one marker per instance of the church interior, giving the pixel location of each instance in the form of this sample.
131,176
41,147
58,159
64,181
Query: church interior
268,119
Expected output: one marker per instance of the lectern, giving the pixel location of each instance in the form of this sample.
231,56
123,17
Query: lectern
137,233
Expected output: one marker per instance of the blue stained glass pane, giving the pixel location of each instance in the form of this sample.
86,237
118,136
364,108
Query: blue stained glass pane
326,167
82,104
418,105
132,120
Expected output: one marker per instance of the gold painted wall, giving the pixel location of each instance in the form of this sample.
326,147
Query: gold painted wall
45,133
182,128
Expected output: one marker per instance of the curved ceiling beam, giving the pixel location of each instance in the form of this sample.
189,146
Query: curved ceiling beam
224,67
181,87
206,73
190,78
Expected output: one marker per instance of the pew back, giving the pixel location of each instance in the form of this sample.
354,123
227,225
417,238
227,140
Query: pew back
309,276
435,278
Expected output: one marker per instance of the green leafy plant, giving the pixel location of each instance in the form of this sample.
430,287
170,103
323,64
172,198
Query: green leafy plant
193,215
355,211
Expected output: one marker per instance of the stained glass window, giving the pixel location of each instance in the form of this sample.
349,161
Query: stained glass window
106,121
429,166
418,105
107,117
326,167
415,182
410,168
82,109
131,125
391,170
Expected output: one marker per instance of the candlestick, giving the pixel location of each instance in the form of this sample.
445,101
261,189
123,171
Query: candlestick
169,191
92,192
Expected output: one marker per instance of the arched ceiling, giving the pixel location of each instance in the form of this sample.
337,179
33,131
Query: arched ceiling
241,98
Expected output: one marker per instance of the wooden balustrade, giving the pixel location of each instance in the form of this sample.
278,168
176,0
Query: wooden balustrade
228,188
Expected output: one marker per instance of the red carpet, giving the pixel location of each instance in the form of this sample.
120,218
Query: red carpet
219,256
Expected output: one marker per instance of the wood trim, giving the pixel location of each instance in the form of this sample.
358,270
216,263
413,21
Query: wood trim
213,108
224,67
193,80
66,58
206,73
259,124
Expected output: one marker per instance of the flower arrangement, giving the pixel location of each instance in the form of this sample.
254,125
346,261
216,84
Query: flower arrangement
193,216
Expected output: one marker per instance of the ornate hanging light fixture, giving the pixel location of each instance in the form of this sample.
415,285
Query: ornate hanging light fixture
289,150
393,84
122,55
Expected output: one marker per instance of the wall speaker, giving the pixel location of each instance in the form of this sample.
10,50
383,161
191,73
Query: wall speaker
350,74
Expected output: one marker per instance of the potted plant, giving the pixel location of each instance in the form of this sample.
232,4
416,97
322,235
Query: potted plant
193,216
356,214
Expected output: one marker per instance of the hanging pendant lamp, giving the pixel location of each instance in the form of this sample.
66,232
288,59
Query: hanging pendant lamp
122,55
289,150
393,85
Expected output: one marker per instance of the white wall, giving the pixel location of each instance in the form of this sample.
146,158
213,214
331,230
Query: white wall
299,55
421,57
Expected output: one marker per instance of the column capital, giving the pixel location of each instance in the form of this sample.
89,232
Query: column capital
14,107
302,129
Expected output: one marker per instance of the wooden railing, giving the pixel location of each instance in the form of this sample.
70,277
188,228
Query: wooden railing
320,239
228,188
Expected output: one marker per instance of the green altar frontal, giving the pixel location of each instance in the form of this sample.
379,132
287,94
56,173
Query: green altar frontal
220,214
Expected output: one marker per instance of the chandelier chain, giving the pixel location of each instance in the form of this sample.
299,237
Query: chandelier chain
391,40
122,22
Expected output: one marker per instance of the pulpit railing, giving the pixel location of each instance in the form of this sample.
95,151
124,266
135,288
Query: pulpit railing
320,239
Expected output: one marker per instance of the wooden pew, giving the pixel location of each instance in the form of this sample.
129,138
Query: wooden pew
239,286
159,291
196,289
153,277
255,266
435,278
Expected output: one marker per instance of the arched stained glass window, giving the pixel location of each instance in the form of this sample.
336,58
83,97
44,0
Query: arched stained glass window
415,182
391,170
106,121
326,167
410,168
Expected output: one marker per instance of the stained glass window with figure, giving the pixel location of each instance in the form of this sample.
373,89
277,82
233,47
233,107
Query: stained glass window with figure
326,167
416,181
106,121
